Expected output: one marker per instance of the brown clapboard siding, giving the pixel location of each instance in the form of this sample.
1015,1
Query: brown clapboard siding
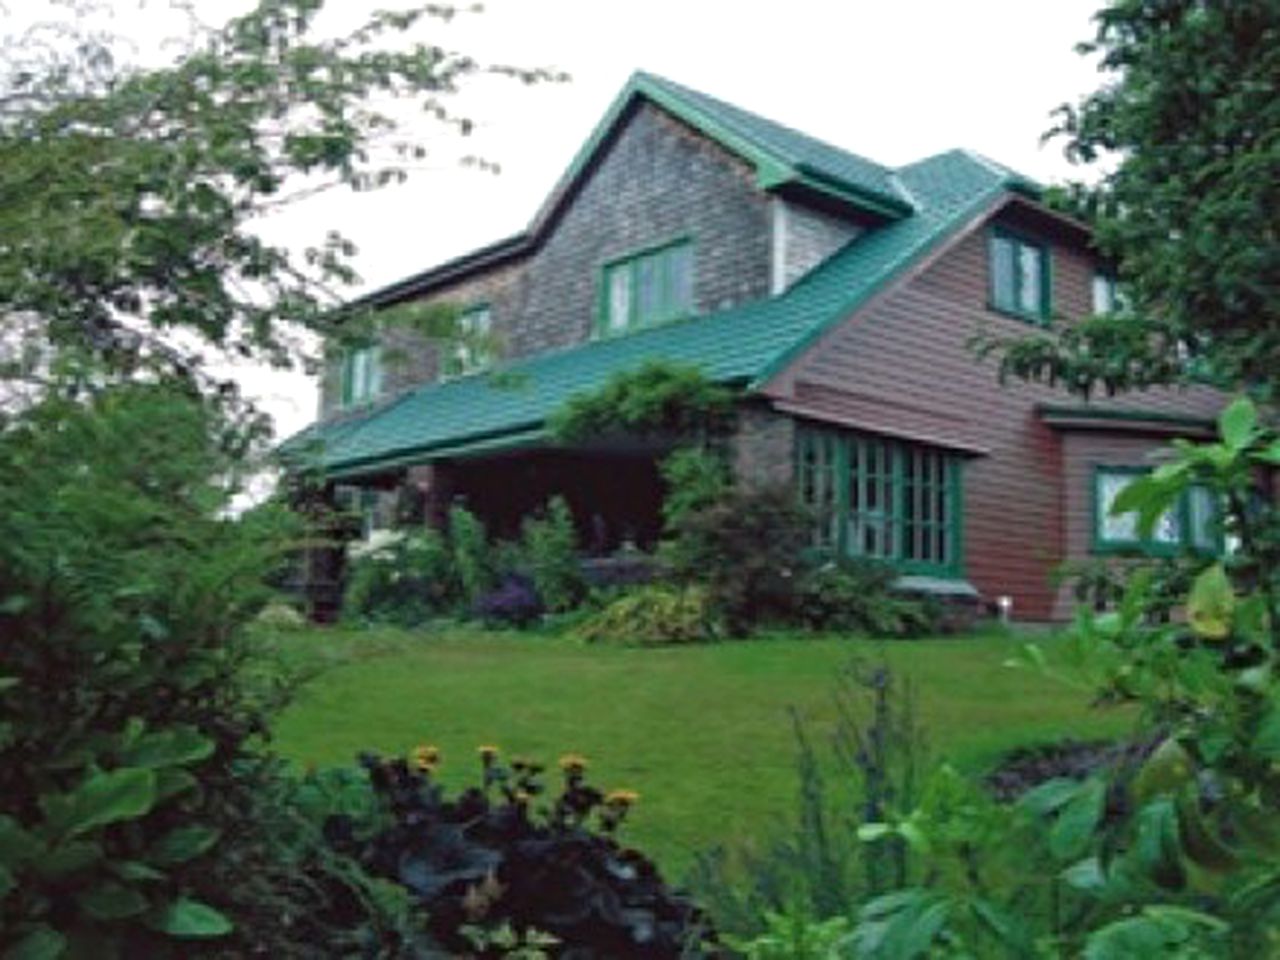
903,365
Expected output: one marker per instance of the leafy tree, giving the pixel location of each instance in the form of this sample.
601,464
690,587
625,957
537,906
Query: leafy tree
1174,852
1187,131
129,196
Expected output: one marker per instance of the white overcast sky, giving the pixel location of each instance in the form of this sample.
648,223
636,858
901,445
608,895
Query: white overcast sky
893,81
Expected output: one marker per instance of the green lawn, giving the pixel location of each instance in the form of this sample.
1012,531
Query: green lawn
701,732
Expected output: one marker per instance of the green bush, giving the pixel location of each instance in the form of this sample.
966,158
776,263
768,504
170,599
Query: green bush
550,553
125,708
654,615
475,561
659,398
745,548
857,596
696,478
402,578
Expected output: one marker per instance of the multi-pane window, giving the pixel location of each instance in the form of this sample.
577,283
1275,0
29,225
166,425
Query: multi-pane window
816,476
1193,522
1019,276
876,497
361,375
473,348
648,288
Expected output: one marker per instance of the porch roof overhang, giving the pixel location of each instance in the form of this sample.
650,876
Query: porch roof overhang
1125,420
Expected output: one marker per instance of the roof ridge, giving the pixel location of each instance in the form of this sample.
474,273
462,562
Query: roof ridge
681,88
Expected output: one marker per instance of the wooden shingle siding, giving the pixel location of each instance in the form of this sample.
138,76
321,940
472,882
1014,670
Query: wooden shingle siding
657,181
903,366
808,236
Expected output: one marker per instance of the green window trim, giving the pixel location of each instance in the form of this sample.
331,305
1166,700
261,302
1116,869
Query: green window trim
360,373
1011,297
646,288
881,498
473,351
1209,540
1105,294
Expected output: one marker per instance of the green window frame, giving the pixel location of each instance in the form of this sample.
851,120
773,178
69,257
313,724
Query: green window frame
646,288
876,497
1193,523
361,375
1106,294
1020,281
473,350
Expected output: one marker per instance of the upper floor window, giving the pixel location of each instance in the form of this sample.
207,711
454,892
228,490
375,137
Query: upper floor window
648,288
1193,522
1019,275
473,350
361,375
1107,297
875,497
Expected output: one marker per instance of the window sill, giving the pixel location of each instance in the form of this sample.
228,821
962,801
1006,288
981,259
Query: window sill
1037,319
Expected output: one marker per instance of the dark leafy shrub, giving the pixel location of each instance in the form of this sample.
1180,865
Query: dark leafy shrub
514,602
745,548
125,712
550,553
858,596
654,615
500,856
293,895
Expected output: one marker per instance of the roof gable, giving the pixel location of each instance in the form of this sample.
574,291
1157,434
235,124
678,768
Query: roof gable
781,157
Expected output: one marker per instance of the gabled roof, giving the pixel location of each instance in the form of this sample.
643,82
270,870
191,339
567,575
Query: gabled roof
781,157
745,345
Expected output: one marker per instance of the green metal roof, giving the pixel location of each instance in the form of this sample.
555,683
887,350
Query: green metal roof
745,345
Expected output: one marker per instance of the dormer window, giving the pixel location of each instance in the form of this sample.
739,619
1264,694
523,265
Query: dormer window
473,350
647,288
1019,276
361,375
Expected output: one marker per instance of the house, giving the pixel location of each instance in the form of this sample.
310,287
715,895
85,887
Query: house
838,296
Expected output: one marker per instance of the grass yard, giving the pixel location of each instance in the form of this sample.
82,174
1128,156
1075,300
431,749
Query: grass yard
701,732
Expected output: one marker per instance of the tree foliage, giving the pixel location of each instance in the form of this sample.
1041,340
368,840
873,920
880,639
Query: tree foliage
1189,127
130,197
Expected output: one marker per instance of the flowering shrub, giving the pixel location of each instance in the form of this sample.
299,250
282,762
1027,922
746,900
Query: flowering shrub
503,857
513,602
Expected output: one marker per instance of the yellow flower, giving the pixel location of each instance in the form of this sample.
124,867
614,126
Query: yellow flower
573,763
488,754
621,798
426,757
522,797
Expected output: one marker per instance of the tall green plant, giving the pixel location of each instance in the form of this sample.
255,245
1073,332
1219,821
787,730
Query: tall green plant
124,703
1181,853
550,548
